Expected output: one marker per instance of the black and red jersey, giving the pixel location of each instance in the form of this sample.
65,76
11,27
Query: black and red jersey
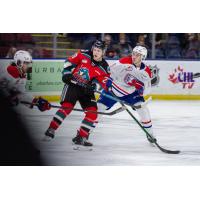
85,69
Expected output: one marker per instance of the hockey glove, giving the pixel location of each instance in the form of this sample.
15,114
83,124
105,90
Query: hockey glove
89,90
140,91
109,83
67,78
41,103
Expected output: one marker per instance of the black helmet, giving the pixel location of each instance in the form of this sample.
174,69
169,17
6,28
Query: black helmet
99,44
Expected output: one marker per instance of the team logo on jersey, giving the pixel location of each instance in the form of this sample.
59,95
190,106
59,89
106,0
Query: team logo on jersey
180,76
84,73
128,79
155,75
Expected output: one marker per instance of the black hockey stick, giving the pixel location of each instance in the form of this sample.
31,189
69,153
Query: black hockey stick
196,75
154,141
118,110
98,112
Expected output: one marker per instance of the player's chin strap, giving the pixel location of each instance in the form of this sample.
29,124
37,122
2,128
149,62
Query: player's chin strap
154,141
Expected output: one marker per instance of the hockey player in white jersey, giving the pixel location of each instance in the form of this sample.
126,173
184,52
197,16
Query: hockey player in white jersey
130,81
13,81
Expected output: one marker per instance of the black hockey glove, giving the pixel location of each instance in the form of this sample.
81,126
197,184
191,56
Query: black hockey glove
89,90
67,78
41,103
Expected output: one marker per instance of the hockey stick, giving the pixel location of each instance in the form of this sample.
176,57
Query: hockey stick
111,97
98,112
196,75
153,139
118,110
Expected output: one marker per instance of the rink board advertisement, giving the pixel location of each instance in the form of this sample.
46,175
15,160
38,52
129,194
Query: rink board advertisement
47,76
176,78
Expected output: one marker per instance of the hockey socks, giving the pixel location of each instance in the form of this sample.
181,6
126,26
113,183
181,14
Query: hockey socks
61,115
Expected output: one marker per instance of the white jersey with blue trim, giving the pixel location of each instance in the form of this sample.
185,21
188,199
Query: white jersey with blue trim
127,79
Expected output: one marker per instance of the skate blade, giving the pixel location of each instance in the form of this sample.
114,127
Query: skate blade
46,138
82,148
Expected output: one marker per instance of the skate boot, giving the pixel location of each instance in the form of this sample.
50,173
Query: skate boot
49,134
79,140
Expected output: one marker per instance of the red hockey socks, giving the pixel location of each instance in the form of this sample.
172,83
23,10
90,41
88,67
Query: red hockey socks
89,122
61,115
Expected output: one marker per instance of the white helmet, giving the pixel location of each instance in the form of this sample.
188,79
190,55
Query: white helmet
22,56
141,50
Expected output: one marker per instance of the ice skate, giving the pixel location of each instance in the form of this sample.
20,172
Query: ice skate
49,134
78,140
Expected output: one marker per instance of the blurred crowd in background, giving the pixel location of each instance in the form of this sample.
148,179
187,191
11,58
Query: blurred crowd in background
44,45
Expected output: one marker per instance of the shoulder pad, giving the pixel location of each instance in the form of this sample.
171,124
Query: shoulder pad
126,60
13,71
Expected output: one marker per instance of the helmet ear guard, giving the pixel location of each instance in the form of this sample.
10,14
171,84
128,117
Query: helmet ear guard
19,63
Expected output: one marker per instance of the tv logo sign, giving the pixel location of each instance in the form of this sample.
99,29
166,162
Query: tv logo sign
182,77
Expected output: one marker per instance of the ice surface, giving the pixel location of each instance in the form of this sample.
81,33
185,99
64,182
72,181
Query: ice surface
119,141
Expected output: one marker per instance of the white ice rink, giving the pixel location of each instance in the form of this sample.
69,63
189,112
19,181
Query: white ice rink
119,141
